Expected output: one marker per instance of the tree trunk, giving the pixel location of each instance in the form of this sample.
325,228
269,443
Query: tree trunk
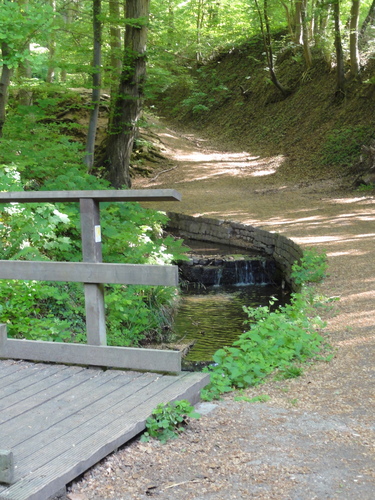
267,40
25,96
129,99
305,36
116,51
354,52
68,16
298,22
96,72
199,24
340,74
370,18
6,75
288,18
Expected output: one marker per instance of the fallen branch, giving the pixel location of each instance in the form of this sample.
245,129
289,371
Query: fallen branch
163,172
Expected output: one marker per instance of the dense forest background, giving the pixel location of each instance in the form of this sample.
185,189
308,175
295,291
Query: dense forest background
291,77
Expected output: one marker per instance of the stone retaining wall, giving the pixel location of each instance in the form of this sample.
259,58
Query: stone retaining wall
283,250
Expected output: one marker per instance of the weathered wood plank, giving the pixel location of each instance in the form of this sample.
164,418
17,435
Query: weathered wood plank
69,398
55,474
79,354
12,391
11,371
110,195
86,272
16,416
66,430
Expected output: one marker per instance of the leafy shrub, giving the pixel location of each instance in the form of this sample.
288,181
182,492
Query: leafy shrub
311,268
168,421
276,340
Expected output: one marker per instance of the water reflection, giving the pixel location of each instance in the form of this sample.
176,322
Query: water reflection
214,316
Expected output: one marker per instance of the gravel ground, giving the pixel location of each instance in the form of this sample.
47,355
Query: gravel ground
314,438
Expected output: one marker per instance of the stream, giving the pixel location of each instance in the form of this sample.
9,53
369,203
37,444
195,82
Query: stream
211,316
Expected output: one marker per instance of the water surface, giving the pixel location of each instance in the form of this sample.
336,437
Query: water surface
213,317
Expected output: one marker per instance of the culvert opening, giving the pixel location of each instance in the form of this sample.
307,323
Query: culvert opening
216,282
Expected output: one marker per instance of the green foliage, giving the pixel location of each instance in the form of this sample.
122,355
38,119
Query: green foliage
277,340
136,314
311,268
343,146
365,188
21,23
37,310
202,100
168,421
37,155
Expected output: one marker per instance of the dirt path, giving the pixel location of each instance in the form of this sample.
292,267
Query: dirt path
315,438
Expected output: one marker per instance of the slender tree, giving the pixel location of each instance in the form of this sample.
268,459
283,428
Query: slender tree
6,75
115,48
354,52
267,41
96,83
128,105
369,19
305,35
51,49
340,73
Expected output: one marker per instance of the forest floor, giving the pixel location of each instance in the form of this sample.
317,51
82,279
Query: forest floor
314,439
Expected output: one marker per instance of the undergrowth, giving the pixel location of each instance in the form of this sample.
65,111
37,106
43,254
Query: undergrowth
39,155
168,421
277,341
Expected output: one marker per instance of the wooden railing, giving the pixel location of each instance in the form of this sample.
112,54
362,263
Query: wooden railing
94,274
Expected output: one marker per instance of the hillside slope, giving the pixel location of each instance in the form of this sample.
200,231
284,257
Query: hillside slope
320,134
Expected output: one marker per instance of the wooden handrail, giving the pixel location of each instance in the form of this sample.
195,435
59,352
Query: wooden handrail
93,273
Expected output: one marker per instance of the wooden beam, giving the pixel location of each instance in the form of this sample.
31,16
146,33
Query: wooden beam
110,195
80,354
92,252
86,272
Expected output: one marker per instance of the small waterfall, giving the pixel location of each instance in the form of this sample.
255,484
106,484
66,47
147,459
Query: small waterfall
240,271
244,273
219,275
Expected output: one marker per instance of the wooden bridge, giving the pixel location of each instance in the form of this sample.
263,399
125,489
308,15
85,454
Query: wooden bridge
57,420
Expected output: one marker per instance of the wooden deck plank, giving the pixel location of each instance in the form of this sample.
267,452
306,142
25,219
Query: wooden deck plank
73,429
31,384
53,476
16,371
59,401
35,402
8,367
31,400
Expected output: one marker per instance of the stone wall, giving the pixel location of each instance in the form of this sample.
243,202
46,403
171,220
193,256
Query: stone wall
283,250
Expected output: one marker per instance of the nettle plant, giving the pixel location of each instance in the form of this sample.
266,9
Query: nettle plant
169,420
277,340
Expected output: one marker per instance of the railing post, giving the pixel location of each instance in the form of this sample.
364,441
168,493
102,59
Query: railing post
92,252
